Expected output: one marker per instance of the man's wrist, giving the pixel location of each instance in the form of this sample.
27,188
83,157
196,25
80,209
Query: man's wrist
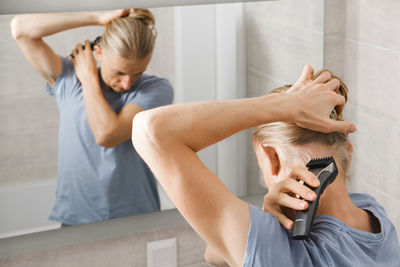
97,18
90,82
273,108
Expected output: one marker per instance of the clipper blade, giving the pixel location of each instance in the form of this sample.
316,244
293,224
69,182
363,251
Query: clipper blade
319,162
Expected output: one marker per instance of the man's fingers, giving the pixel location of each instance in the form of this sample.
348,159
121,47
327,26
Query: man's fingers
87,45
332,85
285,200
301,173
342,126
125,12
76,50
340,101
323,77
293,186
79,47
285,221
306,75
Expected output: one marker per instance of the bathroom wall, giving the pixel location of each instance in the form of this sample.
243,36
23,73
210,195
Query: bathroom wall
282,36
163,60
29,118
362,45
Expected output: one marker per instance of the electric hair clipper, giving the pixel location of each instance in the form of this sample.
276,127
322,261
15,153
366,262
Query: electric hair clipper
326,171
92,44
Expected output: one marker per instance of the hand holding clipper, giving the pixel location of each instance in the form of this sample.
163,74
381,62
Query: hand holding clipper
326,171
92,44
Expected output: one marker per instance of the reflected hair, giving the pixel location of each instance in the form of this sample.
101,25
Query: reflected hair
132,36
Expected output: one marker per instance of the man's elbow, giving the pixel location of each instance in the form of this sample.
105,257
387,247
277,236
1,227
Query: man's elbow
20,29
140,124
106,138
211,257
208,259
15,26
146,129
104,142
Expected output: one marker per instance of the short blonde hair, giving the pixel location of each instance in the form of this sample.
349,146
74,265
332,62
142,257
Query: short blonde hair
292,137
131,36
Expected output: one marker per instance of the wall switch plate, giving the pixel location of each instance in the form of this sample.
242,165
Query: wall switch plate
162,253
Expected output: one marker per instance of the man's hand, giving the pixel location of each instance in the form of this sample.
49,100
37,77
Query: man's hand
312,102
280,200
84,63
106,17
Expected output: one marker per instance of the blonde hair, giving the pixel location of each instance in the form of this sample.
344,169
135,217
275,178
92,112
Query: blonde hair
292,137
131,36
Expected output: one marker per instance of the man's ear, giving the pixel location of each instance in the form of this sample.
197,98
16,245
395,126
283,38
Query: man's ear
99,52
350,150
273,157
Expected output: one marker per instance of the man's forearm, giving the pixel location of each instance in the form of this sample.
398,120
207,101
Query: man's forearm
36,26
101,116
199,125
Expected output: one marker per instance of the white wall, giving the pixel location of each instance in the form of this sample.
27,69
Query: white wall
28,134
282,36
362,45
210,64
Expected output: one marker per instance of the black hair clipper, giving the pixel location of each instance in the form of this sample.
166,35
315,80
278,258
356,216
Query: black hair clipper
92,44
326,171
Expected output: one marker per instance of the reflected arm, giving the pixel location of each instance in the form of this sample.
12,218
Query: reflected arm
29,29
109,129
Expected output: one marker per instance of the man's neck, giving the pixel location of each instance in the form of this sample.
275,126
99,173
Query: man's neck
336,202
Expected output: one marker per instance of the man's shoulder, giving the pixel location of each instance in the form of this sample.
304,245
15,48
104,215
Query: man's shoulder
365,201
150,84
148,80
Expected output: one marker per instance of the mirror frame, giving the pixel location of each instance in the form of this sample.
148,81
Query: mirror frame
41,6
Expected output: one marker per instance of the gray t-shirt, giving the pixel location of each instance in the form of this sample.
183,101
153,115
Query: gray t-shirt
331,242
97,183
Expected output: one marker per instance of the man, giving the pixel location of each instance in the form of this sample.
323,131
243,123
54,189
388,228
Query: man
100,175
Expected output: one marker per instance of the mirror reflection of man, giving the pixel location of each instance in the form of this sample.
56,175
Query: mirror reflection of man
100,175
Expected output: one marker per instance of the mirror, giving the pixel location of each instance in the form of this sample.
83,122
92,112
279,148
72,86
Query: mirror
206,52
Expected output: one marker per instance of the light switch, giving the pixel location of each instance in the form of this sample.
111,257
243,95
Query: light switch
162,253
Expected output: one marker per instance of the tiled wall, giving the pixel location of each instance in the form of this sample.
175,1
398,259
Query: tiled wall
28,117
362,44
282,36
127,251
163,60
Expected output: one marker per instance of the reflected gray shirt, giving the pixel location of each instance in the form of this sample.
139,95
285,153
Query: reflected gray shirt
97,183
331,242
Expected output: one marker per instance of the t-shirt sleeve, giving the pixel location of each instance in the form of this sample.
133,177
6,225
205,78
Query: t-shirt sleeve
268,243
153,92
65,84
